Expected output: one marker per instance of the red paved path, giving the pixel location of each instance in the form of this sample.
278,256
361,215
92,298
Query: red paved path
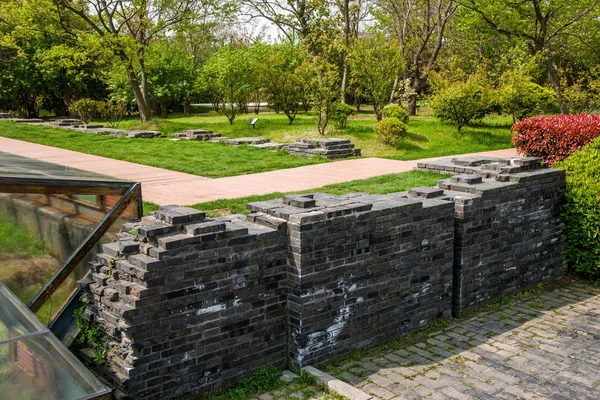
163,187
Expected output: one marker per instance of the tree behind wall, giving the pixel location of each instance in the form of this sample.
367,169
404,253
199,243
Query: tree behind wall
129,27
546,26
420,26
375,62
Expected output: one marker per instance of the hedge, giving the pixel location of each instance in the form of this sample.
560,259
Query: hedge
555,137
582,210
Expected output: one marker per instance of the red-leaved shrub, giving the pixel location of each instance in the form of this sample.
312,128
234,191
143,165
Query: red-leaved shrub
555,137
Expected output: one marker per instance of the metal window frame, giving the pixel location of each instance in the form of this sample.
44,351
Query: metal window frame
26,185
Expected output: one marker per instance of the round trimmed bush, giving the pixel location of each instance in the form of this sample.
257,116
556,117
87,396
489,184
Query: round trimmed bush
390,130
340,113
395,111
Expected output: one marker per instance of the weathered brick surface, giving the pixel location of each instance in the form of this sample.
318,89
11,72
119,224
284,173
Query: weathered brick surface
194,303
195,308
508,228
363,269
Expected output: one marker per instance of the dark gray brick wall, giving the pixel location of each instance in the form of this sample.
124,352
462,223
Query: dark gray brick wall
363,269
193,304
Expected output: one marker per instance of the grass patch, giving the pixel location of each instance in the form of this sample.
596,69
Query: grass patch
212,160
378,185
16,241
427,137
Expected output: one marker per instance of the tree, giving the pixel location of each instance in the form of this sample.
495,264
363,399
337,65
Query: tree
420,28
41,65
544,25
461,102
522,98
171,74
278,70
376,61
352,12
127,27
229,75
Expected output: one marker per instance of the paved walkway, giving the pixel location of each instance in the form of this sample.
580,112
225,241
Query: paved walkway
169,187
540,347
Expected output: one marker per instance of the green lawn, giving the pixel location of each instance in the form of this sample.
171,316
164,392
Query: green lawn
427,138
380,184
213,160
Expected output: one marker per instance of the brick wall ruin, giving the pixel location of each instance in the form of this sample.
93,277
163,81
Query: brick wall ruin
193,304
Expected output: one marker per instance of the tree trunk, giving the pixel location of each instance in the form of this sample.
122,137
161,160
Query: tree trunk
142,104
412,98
67,100
394,89
144,80
344,82
555,81
187,106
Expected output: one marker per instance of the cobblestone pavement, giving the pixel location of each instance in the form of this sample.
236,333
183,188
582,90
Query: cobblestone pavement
544,346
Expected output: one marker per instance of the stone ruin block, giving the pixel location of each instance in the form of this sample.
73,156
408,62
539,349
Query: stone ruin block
197,134
28,120
330,148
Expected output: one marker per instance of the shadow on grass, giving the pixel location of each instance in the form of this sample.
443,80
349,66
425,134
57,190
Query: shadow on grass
416,137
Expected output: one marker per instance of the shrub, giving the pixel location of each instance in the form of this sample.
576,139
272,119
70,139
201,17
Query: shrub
112,113
395,111
582,210
462,102
389,130
522,98
555,137
340,113
85,108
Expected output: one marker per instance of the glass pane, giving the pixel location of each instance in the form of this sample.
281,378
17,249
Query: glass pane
37,234
15,318
37,367
68,288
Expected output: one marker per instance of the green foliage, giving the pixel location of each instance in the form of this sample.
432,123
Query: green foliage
340,113
462,102
112,113
390,130
395,111
322,88
522,98
582,210
375,62
583,95
228,77
278,68
90,334
85,109
171,73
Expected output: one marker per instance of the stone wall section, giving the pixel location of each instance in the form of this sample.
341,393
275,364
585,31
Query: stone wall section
191,303
194,304
362,269
508,227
